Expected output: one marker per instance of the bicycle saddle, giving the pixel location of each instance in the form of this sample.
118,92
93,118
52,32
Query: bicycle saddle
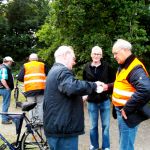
26,106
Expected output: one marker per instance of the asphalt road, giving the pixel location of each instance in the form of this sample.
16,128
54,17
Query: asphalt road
142,140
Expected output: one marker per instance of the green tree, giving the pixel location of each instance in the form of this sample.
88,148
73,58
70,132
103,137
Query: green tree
84,24
19,22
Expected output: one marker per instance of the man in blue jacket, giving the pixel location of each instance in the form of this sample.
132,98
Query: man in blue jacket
63,105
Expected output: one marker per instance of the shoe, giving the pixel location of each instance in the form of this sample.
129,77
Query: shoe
92,148
7,122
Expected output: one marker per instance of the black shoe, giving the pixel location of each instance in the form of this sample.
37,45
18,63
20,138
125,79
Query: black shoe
7,122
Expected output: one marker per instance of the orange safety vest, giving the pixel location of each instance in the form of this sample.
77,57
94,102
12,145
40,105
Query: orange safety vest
34,78
123,90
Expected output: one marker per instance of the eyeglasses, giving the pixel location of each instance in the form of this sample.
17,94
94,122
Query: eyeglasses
96,54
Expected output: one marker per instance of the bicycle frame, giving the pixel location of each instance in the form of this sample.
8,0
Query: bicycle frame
31,127
21,117
11,147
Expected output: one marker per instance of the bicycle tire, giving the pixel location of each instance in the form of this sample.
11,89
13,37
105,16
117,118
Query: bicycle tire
28,141
5,146
16,95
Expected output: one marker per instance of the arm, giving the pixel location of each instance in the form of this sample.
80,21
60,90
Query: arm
68,85
46,70
3,81
21,74
4,78
141,82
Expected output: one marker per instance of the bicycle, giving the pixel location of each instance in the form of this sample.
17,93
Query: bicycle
32,138
17,90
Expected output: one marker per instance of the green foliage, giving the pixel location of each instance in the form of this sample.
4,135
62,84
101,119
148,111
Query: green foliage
19,21
84,24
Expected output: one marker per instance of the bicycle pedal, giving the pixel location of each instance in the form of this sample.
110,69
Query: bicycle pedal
3,146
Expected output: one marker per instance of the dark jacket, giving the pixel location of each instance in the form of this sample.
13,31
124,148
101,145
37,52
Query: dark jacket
141,82
103,73
10,80
32,92
63,105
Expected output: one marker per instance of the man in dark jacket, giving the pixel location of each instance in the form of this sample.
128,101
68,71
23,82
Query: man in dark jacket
131,91
6,86
63,105
98,103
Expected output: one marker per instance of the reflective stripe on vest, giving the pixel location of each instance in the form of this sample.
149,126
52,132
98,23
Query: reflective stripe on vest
34,78
123,90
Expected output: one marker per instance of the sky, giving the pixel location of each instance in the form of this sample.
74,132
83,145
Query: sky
4,1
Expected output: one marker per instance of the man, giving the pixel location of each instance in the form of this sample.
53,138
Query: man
131,91
33,74
98,70
63,105
6,86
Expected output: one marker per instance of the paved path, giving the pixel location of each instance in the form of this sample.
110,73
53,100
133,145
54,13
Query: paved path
142,140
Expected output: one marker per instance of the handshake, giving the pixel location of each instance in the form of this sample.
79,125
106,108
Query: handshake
101,86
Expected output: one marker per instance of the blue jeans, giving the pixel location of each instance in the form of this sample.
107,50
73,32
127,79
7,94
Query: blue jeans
6,94
93,110
126,135
63,143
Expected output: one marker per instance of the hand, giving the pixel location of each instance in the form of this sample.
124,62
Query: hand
99,89
105,87
99,83
8,88
123,113
84,98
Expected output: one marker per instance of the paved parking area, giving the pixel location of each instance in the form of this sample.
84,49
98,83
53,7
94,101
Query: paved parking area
142,140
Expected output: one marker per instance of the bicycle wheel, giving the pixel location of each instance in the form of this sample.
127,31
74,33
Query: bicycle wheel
3,145
35,141
16,95
8,146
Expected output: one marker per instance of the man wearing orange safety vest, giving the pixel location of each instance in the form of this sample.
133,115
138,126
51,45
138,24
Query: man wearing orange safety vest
131,91
33,74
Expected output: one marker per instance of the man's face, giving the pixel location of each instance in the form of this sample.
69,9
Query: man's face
119,55
71,60
96,55
9,63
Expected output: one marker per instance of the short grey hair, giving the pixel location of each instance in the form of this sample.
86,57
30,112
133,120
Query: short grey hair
123,44
96,48
62,50
33,56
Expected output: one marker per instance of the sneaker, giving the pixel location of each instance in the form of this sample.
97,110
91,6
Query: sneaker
92,148
7,122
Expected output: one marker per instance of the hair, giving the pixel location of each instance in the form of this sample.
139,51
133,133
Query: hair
33,56
120,43
96,48
62,50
